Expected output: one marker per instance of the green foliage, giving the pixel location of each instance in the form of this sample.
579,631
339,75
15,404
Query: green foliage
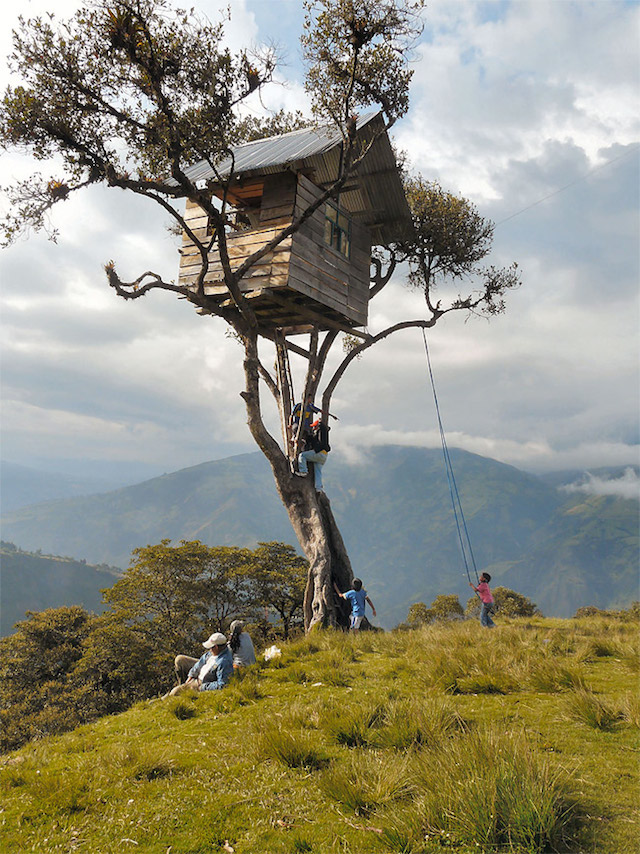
278,578
174,594
449,241
447,607
120,664
419,615
63,667
36,667
430,772
630,613
358,55
444,607
122,93
508,603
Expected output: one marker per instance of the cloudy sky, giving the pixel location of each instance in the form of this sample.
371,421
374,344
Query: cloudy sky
530,109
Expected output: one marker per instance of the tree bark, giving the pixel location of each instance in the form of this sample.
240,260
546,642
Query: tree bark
309,511
315,527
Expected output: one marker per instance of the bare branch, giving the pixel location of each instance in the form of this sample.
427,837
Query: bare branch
357,351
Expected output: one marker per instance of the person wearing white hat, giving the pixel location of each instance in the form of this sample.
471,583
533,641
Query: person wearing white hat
210,672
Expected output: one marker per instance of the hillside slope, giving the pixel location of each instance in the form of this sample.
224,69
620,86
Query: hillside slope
34,582
394,510
357,740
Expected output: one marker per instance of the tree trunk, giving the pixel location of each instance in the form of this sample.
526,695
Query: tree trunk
309,511
318,534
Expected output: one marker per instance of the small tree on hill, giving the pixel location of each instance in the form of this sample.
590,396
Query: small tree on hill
447,607
174,595
508,602
130,93
419,615
278,578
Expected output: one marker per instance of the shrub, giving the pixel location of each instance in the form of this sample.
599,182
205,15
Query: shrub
447,607
508,604
419,615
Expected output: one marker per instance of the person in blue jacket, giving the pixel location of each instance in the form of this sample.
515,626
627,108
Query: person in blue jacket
210,672
358,599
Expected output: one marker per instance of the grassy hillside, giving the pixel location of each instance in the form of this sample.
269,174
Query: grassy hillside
393,509
447,738
35,582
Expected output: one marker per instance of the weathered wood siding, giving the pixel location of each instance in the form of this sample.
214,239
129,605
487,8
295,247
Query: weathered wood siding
302,263
321,272
271,270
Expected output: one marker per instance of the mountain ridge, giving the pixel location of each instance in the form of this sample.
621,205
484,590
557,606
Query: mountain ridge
393,508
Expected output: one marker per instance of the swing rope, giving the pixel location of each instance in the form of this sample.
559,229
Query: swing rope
461,525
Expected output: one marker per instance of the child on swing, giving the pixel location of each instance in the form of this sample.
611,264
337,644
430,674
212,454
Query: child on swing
486,598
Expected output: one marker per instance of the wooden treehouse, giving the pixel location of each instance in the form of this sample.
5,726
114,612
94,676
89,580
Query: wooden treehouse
320,274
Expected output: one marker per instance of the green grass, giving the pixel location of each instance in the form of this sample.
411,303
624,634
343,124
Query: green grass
447,738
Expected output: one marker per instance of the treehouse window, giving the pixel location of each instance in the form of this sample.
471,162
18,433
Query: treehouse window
337,231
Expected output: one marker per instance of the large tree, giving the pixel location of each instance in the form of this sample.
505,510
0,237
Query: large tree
130,93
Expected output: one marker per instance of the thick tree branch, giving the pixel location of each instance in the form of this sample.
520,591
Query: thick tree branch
357,351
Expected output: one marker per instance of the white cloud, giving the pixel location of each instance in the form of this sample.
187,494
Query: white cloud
626,486
512,101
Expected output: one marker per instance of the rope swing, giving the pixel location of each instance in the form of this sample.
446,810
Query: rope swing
461,525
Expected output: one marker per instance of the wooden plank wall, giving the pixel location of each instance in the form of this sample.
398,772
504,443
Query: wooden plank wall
323,274
303,262
272,270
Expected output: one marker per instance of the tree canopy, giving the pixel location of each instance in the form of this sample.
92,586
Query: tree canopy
63,666
131,93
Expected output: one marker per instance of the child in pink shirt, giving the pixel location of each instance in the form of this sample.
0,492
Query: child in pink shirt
486,598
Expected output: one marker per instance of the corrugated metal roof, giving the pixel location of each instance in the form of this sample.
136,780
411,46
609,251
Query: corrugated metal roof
374,195
263,154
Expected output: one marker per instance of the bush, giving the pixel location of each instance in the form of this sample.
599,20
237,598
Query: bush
630,613
447,607
508,603
419,615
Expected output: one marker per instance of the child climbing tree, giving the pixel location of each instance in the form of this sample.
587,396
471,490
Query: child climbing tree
132,93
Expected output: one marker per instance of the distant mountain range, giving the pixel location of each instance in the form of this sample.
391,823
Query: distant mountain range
562,549
34,582
21,486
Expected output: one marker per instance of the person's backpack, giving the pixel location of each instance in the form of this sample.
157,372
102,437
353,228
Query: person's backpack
321,438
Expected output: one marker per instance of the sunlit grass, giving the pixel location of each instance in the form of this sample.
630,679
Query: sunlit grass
583,706
448,738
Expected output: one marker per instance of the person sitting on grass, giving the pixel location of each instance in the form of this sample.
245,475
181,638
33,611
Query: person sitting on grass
486,598
209,673
241,645
358,598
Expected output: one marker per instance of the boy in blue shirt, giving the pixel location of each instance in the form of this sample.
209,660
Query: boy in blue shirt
358,598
